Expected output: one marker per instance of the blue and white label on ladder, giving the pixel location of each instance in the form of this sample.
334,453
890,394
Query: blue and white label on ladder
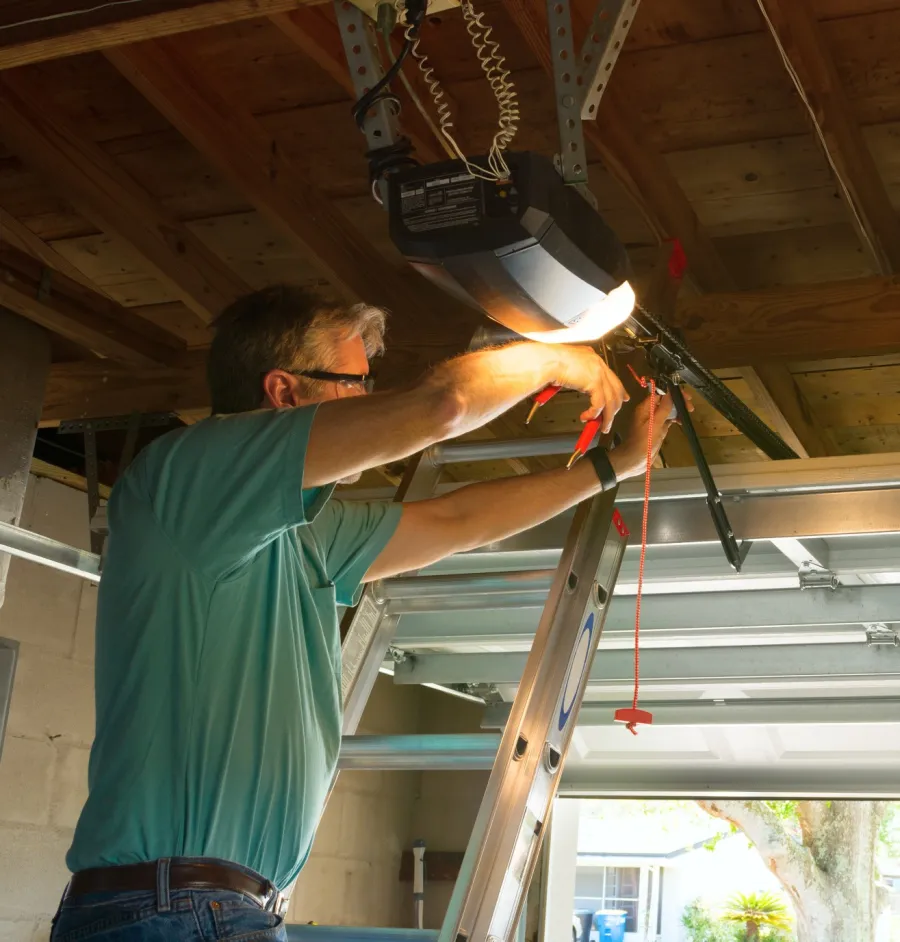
576,669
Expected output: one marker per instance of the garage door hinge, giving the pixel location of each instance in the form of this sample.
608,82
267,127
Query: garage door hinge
814,577
881,634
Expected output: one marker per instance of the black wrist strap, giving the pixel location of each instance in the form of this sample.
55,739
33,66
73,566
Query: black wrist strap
602,465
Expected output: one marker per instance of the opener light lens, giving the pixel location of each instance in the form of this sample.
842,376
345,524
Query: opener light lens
598,320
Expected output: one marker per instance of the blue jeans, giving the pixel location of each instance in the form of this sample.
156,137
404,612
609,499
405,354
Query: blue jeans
166,916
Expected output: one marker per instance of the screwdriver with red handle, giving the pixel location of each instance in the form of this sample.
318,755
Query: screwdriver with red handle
588,433
541,399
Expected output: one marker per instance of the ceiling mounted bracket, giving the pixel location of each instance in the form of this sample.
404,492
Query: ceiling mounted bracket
579,83
567,86
601,47
364,61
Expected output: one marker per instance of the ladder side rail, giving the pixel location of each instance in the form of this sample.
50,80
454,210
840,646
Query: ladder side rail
505,841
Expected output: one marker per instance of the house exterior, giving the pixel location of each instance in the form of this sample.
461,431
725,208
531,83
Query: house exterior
659,868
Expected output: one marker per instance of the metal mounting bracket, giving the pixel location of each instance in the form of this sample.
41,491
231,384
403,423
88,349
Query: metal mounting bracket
567,85
361,49
881,635
601,47
579,83
811,577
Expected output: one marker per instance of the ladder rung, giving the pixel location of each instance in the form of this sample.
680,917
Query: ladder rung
453,586
299,933
462,751
448,452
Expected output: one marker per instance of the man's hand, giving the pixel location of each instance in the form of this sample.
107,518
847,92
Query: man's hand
630,458
584,370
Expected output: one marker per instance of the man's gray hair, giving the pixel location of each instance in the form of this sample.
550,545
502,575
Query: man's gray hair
286,327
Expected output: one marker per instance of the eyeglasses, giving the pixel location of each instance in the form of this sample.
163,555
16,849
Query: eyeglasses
364,381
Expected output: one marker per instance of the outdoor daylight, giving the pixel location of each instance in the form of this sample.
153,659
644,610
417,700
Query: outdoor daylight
734,871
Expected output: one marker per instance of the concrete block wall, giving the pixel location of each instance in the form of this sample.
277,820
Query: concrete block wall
448,802
43,768
351,877
352,874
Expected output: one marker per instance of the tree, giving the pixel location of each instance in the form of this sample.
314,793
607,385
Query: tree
823,852
755,910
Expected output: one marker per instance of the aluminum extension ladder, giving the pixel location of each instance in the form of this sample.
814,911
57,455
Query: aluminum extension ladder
489,896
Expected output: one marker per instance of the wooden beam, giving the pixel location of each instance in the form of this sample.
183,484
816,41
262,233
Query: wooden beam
100,388
104,193
71,29
778,396
319,39
796,322
19,236
66,307
811,67
231,138
86,389
43,469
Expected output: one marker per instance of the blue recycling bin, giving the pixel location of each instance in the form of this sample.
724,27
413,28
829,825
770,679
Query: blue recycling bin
610,924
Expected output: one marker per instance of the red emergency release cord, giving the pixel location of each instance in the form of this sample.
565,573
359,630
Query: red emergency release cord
631,717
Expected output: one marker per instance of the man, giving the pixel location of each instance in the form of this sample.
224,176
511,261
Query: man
218,653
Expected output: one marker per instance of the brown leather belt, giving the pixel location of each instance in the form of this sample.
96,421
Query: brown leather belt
183,875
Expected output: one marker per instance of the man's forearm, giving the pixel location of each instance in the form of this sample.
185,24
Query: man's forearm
493,510
351,435
479,514
488,383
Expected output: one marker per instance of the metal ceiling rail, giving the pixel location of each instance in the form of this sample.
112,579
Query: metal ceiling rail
750,667
807,475
745,711
687,615
753,516
779,500
41,549
852,781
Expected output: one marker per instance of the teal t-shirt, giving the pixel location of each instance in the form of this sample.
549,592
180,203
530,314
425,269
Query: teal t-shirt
218,661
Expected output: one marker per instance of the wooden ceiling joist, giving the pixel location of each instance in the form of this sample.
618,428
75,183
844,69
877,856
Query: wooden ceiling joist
19,236
66,307
814,322
835,319
87,389
811,67
72,29
776,391
231,139
105,194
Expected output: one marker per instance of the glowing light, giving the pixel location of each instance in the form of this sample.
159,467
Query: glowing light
595,322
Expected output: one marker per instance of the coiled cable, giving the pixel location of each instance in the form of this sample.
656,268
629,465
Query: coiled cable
493,64
441,105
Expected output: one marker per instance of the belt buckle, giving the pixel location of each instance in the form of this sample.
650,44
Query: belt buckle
276,901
